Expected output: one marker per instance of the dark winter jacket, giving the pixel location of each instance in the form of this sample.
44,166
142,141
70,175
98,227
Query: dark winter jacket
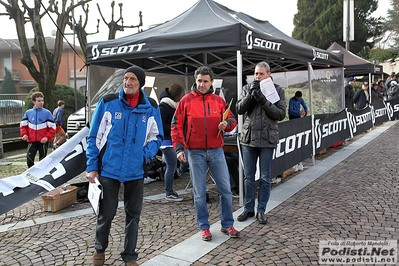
393,92
361,100
260,127
349,96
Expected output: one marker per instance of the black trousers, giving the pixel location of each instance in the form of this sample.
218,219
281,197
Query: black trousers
33,148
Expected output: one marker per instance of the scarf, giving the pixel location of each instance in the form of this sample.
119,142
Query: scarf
169,102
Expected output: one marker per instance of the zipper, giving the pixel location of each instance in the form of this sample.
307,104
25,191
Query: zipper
206,108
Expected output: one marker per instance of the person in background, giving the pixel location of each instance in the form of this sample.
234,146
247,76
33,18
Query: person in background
37,128
198,126
349,93
381,88
375,94
391,78
294,106
362,97
393,91
125,132
58,114
258,139
294,111
170,98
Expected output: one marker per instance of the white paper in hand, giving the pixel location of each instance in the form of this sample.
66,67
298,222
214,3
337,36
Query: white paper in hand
94,194
268,89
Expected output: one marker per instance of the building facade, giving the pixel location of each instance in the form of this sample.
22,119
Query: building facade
10,58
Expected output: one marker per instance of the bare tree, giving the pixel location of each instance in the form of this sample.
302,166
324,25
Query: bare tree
113,25
48,61
79,27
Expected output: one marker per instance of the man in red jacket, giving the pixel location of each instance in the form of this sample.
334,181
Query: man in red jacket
197,126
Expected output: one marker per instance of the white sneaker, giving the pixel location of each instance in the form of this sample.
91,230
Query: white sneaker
148,180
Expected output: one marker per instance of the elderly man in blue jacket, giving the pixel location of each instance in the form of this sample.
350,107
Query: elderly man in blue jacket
125,132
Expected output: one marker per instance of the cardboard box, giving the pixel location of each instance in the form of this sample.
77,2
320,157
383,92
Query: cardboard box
59,198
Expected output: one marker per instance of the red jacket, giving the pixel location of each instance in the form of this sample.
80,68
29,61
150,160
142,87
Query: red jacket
37,123
196,119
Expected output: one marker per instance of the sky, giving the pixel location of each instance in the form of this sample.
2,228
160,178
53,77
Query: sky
280,14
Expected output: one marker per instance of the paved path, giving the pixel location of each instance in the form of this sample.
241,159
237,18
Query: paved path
351,194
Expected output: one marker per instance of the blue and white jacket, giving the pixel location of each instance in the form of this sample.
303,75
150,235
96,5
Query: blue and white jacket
122,139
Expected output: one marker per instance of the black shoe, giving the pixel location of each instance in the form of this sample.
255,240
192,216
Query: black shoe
245,215
261,218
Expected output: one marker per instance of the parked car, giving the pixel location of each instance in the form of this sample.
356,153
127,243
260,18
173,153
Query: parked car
12,103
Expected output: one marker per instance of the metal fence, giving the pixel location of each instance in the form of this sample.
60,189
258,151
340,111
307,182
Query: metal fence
12,108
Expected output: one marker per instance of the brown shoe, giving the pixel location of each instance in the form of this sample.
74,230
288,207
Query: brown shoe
98,258
132,263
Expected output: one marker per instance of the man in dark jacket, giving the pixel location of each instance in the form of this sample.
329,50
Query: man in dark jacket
259,138
362,97
349,93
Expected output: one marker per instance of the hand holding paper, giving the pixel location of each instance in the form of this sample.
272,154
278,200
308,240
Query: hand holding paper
94,194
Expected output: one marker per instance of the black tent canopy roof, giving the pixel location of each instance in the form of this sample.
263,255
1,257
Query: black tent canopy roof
355,65
211,34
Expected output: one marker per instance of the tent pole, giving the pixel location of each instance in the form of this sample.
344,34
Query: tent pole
239,129
186,80
370,88
311,111
343,88
88,99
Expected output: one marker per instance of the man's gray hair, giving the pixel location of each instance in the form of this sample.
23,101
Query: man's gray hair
204,70
264,65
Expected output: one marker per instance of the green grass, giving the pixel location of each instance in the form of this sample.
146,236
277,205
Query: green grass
11,170
18,156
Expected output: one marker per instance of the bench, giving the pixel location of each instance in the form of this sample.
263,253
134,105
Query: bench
9,136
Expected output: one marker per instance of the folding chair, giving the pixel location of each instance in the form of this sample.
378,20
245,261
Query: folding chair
208,177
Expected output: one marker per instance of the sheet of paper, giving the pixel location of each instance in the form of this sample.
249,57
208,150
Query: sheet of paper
94,195
268,89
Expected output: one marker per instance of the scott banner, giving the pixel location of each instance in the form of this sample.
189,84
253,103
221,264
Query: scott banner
302,137
65,163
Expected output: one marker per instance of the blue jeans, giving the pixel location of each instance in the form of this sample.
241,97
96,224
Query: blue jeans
199,161
133,201
170,158
250,157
